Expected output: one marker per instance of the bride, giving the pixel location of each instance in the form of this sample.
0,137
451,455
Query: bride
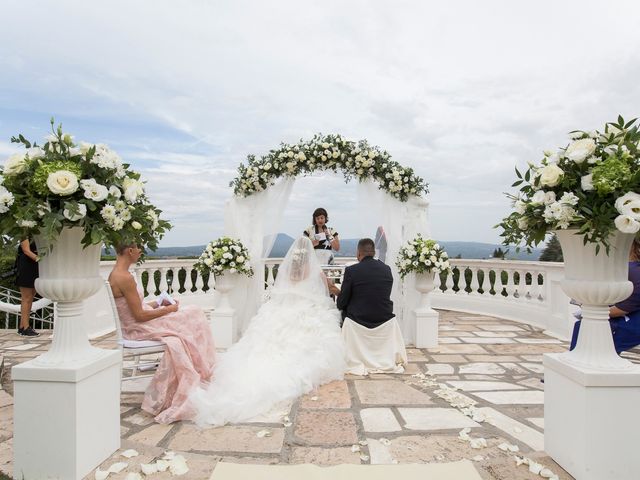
292,345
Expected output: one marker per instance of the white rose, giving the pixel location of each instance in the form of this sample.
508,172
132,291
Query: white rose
537,198
14,165
549,197
132,189
208,261
520,207
550,175
629,204
82,212
232,270
115,191
136,225
576,135
85,147
586,182
27,223
579,150
96,192
62,182
240,259
626,224
35,152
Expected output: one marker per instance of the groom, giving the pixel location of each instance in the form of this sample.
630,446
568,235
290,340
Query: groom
366,289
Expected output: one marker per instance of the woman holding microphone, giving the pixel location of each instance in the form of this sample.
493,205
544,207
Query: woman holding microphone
324,239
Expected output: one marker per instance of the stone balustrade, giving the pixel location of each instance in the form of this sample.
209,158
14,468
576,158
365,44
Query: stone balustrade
523,291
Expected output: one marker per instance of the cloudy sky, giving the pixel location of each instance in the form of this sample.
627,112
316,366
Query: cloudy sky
184,90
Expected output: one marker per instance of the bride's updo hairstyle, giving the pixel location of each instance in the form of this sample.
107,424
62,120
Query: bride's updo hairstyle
298,264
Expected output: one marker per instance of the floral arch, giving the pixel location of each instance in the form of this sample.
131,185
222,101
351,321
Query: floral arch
334,153
393,196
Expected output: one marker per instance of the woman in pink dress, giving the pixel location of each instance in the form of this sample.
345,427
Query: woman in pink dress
190,354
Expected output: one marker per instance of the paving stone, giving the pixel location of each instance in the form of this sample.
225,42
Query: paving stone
502,328
534,367
416,356
324,456
519,349
440,369
379,453
448,340
521,432
538,422
151,435
519,397
472,386
6,457
456,333
531,358
6,422
491,340
435,419
24,346
537,340
493,334
140,418
532,383
513,368
484,368
389,392
5,399
505,468
227,439
379,420
326,427
411,369
439,448
462,348
332,395
491,378
449,358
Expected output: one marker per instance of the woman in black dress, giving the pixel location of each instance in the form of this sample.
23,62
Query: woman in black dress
324,238
27,272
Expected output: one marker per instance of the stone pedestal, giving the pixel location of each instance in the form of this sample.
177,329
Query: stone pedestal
426,317
66,419
592,420
223,323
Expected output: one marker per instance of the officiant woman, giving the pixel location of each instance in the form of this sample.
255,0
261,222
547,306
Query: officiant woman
324,238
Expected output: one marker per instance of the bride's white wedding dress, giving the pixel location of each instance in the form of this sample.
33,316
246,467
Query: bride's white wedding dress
292,345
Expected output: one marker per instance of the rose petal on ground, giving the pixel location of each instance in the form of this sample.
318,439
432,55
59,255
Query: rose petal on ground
118,467
133,476
263,433
101,474
129,453
149,468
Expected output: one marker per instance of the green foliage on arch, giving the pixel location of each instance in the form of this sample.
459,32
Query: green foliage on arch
328,152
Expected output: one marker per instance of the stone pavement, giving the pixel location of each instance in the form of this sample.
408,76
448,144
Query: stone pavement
408,418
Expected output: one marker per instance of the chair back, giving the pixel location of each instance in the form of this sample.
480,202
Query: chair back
116,317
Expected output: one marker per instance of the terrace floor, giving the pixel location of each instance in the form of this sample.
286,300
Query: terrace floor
408,418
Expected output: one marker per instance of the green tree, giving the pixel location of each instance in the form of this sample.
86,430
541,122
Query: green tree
499,253
552,251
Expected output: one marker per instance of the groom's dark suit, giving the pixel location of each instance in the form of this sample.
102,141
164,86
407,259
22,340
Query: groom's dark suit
365,293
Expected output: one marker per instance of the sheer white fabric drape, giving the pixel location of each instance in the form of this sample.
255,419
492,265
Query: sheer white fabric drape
400,222
255,220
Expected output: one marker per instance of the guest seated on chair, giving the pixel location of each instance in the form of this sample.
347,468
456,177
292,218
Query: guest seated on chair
371,333
624,317
189,357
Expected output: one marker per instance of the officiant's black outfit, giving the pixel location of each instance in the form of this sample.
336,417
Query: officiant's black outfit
365,293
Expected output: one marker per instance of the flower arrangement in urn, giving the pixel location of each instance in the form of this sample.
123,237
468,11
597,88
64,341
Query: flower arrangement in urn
422,255
590,185
328,152
225,254
64,184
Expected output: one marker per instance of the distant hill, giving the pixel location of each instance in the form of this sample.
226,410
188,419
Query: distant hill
475,250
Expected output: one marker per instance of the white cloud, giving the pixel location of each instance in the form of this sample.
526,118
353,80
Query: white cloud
460,91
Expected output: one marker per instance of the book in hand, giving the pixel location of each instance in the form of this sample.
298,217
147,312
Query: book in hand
165,297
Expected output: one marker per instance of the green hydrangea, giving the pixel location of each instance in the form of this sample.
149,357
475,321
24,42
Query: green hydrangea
610,175
39,181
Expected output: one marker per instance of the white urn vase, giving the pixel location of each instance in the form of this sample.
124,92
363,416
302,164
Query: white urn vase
68,274
426,318
596,282
425,283
224,284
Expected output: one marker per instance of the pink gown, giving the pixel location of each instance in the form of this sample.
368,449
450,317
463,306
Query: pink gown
187,362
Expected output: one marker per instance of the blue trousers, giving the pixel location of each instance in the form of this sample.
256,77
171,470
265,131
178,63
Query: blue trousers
625,330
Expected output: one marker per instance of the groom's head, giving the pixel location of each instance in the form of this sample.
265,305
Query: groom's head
366,248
